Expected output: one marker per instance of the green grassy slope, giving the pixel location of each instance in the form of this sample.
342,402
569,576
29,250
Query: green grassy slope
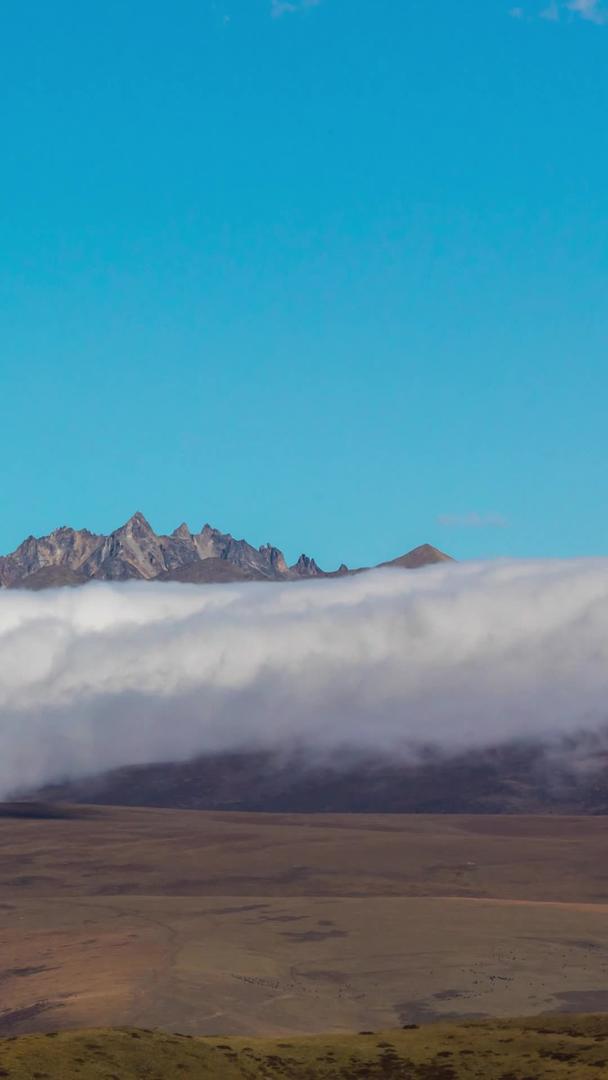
539,1049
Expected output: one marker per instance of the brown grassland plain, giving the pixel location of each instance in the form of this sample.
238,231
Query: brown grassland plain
282,924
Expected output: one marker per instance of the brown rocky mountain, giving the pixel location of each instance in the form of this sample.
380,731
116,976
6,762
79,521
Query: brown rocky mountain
425,555
134,551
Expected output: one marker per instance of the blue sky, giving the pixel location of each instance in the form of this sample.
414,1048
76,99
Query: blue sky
328,274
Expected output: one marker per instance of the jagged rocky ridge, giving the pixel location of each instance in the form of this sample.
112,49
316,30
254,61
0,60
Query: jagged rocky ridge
134,551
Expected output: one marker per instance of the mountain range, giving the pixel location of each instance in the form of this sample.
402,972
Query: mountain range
134,551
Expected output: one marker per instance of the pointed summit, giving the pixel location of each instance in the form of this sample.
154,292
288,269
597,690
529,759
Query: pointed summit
182,532
137,522
424,555
273,561
306,567
132,551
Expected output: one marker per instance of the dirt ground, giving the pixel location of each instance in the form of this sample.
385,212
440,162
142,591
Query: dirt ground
217,923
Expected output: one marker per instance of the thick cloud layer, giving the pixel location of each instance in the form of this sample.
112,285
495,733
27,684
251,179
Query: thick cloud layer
453,655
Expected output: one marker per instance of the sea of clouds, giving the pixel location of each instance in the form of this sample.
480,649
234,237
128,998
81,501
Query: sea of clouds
453,656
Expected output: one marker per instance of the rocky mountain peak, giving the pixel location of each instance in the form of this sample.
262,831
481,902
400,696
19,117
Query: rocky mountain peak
306,567
274,560
137,523
182,532
424,555
71,557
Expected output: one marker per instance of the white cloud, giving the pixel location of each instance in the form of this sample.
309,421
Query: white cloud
454,655
473,520
290,7
595,11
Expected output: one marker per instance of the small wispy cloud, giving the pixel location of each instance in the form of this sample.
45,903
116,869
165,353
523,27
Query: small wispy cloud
278,8
473,520
551,13
594,11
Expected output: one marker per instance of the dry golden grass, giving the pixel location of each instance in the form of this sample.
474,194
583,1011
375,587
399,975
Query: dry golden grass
515,1050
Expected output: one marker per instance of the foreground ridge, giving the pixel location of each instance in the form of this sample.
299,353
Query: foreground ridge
548,1047
134,551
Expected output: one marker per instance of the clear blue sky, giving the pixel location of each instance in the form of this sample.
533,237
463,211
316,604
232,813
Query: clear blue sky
335,277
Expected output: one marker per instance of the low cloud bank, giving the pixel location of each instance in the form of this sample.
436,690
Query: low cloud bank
452,656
